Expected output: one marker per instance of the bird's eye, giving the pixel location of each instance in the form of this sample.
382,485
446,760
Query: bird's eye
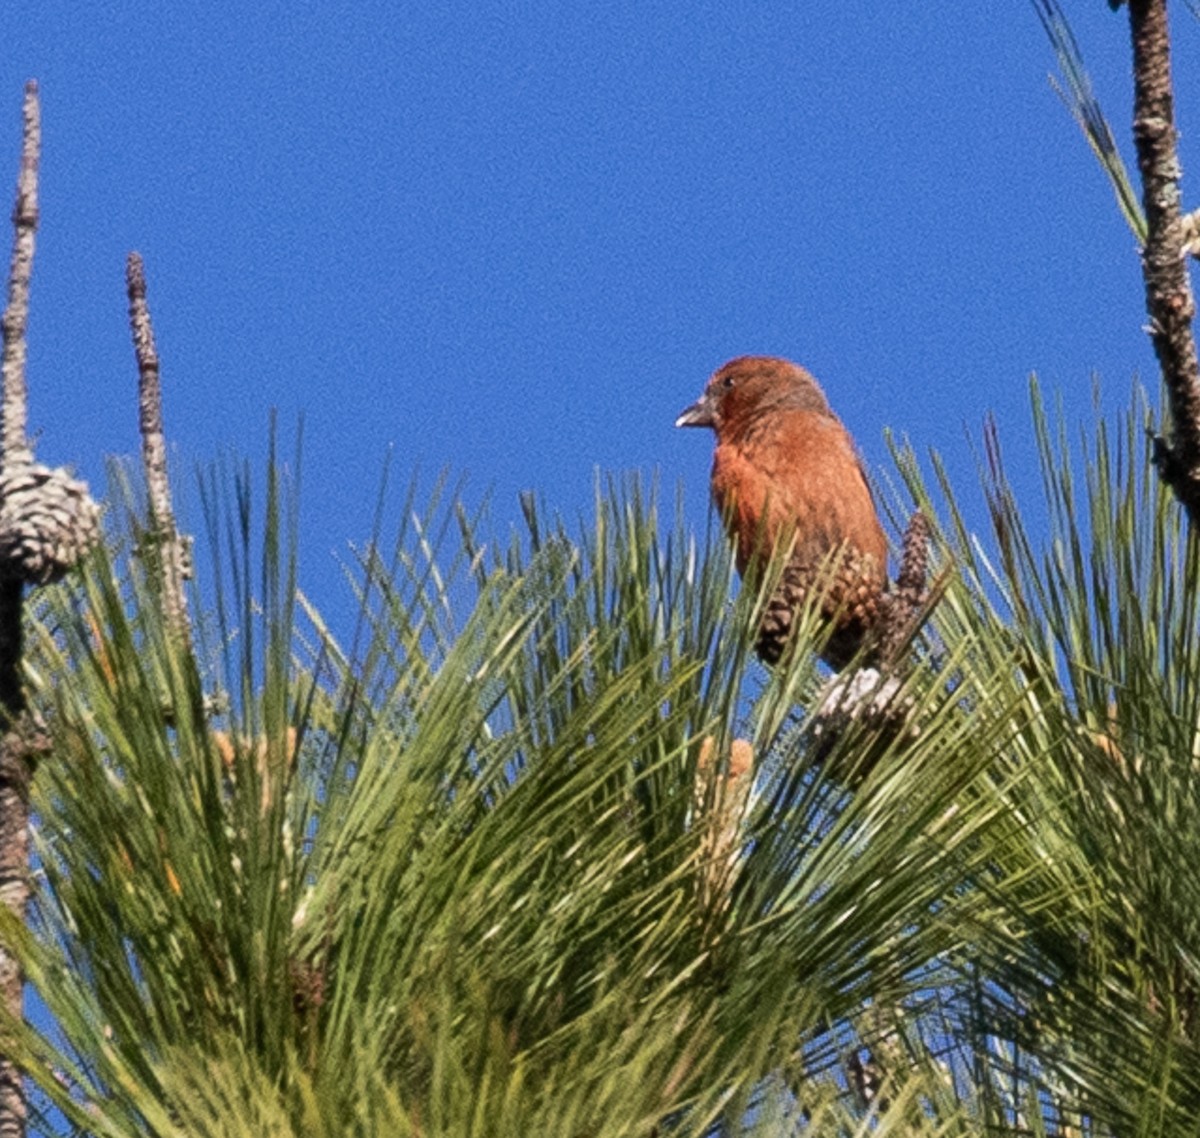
727,382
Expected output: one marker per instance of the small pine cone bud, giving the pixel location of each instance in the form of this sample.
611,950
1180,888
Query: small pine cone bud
903,613
48,521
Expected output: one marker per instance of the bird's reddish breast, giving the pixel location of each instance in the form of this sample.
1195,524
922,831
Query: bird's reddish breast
796,470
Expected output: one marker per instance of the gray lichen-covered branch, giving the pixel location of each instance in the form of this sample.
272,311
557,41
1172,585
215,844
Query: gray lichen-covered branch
16,312
168,551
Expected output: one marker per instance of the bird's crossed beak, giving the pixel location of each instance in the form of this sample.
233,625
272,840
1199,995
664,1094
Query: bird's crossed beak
699,414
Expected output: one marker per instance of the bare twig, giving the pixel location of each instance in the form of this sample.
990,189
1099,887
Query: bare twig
170,549
16,314
1169,299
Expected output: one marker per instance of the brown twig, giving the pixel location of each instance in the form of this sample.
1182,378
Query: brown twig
1169,299
170,557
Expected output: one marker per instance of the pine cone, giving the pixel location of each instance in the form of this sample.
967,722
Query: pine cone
905,605
853,601
48,521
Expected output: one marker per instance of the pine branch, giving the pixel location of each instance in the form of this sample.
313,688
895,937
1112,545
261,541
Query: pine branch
16,765
47,522
1169,299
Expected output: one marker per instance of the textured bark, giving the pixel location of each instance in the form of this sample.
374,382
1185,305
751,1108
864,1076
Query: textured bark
170,555
16,755
1169,299
16,772
16,314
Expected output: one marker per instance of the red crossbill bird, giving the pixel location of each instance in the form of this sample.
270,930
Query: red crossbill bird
785,469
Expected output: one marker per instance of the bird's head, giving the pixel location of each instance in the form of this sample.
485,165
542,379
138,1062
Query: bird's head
751,386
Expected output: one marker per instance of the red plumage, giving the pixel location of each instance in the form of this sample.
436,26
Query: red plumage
785,467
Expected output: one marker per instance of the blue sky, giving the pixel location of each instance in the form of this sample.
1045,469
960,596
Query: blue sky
514,239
